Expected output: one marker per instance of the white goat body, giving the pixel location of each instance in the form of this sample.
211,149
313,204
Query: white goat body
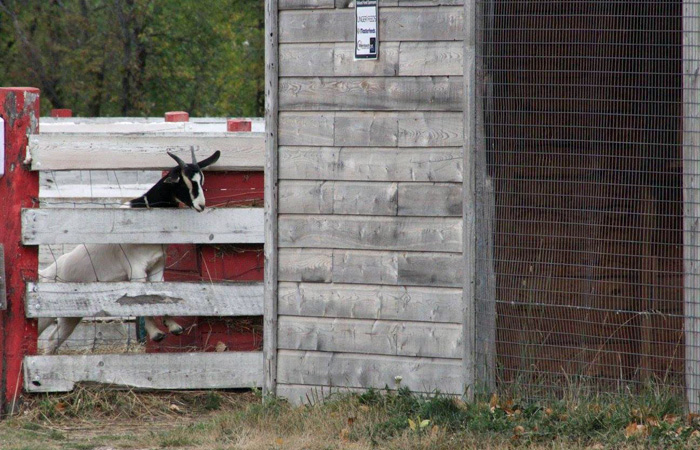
129,262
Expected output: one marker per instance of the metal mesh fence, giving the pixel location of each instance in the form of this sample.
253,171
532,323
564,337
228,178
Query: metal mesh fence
583,125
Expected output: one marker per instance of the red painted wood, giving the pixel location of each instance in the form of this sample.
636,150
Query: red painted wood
177,116
186,262
61,112
19,188
239,125
231,189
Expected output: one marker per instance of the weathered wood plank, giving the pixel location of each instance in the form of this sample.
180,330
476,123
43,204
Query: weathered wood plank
146,151
691,200
337,60
473,143
338,197
365,371
385,233
45,299
271,194
429,199
430,58
371,267
299,128
132,226
298,394
378,93
312,265
224,370
96,183
305,197
365,267
438,129
376,337
372,129
371,302
366,129
379,164
395,24
95,336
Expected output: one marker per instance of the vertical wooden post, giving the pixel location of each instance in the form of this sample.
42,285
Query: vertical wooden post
19,188
271,111
691,200
485,210
468,191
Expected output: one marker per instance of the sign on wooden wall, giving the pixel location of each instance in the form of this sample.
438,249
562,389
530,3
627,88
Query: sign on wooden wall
366,35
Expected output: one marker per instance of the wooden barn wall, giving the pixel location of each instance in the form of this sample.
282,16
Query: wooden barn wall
370,201
584,134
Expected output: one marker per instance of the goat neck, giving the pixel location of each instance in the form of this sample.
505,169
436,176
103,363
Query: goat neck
161,195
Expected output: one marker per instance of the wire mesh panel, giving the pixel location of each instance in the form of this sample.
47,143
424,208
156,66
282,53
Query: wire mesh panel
583,125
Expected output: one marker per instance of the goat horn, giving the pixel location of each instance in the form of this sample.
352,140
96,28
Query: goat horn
194,160
180,162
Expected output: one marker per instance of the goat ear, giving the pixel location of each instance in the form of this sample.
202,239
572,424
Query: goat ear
180,162
209,161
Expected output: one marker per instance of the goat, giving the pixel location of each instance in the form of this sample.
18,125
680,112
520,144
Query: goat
129,262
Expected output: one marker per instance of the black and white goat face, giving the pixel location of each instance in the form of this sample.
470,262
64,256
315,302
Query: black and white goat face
187,180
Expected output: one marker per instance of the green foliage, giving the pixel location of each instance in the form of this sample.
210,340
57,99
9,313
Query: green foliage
137,57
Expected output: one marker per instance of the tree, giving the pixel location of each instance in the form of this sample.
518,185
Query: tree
137,57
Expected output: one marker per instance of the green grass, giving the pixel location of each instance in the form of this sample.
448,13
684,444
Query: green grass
92,418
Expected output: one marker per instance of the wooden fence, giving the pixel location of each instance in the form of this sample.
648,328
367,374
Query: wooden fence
71,214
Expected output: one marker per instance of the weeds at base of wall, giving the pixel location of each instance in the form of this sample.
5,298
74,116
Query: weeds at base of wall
378,419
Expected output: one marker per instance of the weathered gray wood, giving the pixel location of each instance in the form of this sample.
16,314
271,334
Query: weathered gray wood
305,197
305,4
299,394
3,283
312,265
378,93
95,336
131,226
372,129
338,197
430,58
430,199
336,60
691,200
366,129
372,267
386,233
143,299
437,129
96,183
365,371
272,30
145,151
366,267
353,301
299,128
376,337
377,164
395,24
471,108
224,370
485,289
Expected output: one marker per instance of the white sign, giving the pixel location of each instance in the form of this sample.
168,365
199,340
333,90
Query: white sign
366,31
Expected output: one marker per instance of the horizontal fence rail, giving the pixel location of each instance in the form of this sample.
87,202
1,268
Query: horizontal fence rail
145,151
134,226
227,370
143,299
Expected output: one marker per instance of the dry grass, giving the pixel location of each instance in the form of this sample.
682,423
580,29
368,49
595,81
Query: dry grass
96,418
